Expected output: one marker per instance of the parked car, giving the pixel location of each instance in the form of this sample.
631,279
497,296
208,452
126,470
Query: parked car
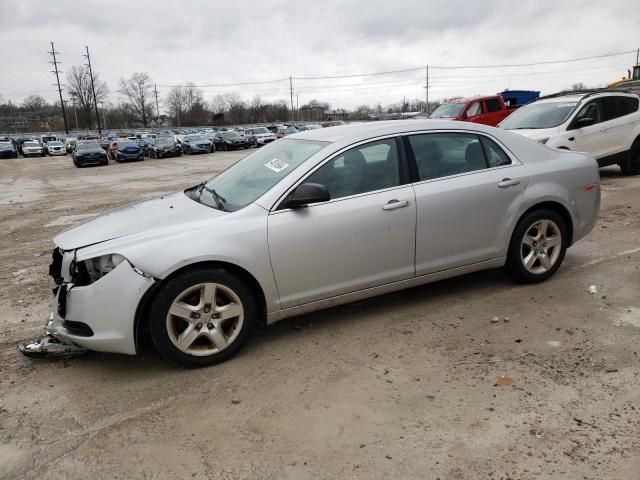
128,150
104,143
285,130
20,141
89,152
56,148
32,148
329,216
192,144
229,140
70,143
163,147
304,128
605,123
45,139
259,136
8,150
488,110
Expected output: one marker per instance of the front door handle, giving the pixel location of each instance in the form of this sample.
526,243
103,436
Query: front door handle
508,182
393,204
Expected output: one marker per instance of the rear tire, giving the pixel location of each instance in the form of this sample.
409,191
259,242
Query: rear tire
199,334
538,246
631,165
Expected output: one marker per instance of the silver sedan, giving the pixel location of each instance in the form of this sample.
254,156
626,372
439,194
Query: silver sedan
317,219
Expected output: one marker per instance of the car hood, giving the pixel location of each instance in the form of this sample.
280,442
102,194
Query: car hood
536,133
149,216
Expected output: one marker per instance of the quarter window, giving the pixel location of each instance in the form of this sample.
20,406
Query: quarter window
615,106
443,154
370,167
496,157
631,104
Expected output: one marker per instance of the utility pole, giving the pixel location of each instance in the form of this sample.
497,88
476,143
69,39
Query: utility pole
75,111
93,89
297,107
55,66
291,92
155,90
426,90
638,56
104,118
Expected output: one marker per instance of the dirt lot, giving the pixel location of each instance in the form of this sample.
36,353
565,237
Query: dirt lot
402,386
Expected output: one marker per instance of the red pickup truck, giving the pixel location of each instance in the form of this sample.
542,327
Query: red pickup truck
486,110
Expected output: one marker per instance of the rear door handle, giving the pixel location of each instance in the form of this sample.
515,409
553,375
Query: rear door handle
508,182
393,204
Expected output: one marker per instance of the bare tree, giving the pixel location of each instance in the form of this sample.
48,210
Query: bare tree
257,109
79,87
139,94
175,103
34,102
218,104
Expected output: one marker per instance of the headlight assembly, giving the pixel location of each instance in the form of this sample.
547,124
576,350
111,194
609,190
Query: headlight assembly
88,271
543,140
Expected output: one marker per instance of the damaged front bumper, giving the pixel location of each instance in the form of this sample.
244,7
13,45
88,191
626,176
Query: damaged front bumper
99,316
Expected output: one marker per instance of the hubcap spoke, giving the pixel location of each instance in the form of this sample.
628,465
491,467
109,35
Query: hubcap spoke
186,338
543,226
528,240
231,310
217,338
182,310
552,241
208,295
545,262
530,259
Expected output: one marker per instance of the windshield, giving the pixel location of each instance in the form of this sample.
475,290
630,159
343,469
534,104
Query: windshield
164,142
229,134
448,110
539,115
260,130
31,144
48,139
122,145
87,145
55,144
196,138
255,174
6,146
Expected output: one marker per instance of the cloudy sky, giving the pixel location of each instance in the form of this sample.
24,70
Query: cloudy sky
213,43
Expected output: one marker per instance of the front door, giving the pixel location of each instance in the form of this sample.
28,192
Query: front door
363,237
589,139
467,199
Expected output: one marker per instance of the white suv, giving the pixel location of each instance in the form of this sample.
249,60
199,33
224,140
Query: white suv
604,123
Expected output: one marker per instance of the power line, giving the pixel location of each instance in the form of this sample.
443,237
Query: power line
55,66
279,80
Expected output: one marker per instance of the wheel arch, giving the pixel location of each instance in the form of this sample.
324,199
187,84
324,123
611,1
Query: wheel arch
141,319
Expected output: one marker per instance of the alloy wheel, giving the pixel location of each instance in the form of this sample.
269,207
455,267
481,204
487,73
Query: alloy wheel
205,319
541,246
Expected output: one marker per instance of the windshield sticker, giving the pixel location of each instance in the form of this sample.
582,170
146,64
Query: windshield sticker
276,165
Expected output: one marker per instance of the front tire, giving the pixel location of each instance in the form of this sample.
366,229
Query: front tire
538,246
202,317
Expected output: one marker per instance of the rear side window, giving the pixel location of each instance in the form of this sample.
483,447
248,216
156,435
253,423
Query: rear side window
493,105
614,107
443,154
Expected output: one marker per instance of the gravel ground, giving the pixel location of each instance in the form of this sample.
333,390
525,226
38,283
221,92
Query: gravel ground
402,386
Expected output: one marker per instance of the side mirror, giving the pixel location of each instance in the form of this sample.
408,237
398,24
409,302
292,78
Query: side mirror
306,194
584,122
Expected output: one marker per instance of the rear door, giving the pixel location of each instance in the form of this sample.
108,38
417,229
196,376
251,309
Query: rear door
468,194
618,125
363,237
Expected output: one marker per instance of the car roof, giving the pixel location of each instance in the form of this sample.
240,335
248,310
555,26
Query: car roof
364,131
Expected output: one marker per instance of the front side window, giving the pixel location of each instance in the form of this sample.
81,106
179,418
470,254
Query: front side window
367,168
590,110
474,109
251,177
443,154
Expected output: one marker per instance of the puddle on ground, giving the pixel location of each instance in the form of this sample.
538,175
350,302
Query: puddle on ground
629,316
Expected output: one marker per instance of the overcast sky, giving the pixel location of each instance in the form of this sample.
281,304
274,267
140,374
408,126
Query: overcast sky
223,42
